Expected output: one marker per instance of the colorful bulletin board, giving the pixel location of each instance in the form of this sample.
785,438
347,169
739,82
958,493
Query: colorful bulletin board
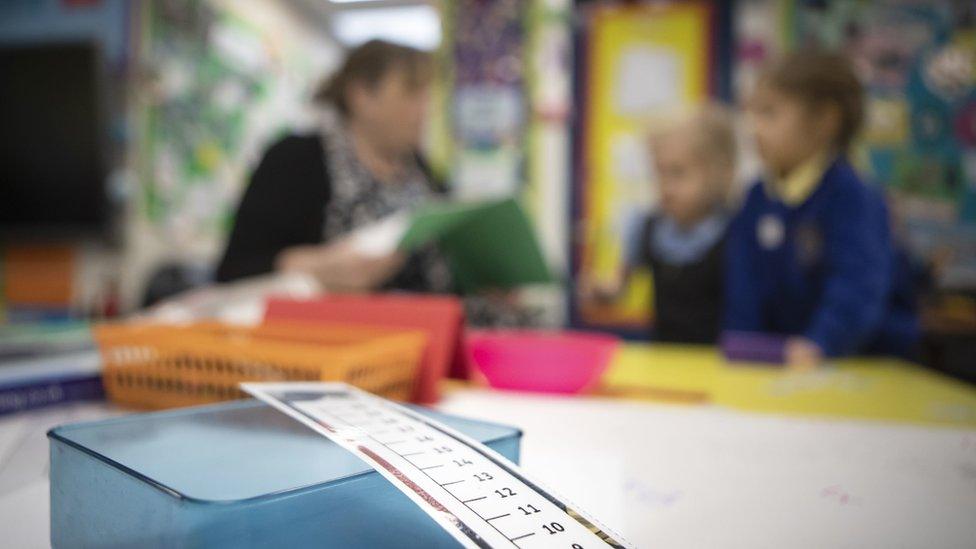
188,131
918,62
639,63
488,101
219,85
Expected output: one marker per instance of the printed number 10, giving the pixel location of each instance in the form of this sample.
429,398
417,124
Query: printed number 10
553,528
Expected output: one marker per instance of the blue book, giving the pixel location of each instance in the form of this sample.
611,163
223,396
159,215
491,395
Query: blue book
30,384
48,392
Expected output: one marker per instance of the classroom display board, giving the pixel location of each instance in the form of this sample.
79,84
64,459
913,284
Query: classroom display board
503,106
919,63
488,104
640,63
219,84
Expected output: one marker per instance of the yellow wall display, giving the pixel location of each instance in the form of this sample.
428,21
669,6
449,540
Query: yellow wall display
643,63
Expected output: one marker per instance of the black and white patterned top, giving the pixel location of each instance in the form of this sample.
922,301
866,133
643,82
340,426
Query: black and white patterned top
359,199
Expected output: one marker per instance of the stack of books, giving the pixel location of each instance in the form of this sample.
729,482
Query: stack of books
46,364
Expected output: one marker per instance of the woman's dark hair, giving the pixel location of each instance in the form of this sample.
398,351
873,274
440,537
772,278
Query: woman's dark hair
819,78
368,64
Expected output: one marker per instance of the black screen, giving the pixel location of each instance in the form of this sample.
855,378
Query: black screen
52,174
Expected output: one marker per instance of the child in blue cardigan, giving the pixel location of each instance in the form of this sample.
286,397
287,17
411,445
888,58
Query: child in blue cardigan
810,256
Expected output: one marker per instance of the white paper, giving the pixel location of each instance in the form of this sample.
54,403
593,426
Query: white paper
382,238
646,78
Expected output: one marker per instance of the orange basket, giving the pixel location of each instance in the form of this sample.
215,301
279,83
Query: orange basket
161,366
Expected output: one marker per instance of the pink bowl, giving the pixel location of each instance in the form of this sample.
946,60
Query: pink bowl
549,362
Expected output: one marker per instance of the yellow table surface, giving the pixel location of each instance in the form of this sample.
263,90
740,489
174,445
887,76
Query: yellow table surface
864,388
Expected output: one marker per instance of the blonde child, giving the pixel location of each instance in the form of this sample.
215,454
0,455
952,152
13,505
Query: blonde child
682,242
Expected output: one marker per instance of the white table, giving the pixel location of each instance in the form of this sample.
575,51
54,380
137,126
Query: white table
664,476
24,494
682,476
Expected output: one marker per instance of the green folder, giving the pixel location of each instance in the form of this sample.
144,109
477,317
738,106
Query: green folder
488,244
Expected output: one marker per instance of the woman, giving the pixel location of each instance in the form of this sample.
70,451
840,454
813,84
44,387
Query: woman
310,190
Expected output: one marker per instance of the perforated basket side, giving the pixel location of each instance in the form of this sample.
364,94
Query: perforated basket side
165,366
389,366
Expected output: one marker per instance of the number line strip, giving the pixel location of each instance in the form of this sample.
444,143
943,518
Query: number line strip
335,397
460,525
442,485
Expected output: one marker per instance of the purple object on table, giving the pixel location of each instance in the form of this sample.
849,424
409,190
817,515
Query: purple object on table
753,347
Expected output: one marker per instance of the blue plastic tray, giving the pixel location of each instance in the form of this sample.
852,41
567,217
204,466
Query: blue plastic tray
239,474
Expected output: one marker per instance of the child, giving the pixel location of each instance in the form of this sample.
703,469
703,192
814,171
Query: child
682,244
810,255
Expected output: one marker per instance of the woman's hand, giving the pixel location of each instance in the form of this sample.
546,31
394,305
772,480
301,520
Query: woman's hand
802,354
339,267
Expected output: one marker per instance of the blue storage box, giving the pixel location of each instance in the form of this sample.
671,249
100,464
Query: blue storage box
239,474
